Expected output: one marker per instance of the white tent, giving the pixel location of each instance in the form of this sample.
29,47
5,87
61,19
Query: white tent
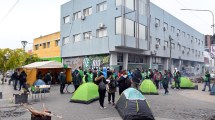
44,64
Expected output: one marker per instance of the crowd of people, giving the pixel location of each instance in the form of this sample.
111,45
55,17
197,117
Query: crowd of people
108,80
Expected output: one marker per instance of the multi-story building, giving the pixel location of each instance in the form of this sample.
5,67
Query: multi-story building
127,34
48,47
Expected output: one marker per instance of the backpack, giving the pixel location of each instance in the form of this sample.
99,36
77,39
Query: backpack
158,76
127,82
102,85
112,84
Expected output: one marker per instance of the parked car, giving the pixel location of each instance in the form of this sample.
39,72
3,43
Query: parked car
9,73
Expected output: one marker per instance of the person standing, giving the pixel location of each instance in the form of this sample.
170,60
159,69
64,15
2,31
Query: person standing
177,80
77,79
157,78
112,88
101,82
89,76
15,76
207,81
62,80
22,80
165,81
48,78
136,78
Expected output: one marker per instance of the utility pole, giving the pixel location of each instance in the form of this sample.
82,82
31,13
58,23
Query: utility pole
170,52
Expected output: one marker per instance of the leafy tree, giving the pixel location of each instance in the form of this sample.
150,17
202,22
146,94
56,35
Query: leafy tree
11,59
31,59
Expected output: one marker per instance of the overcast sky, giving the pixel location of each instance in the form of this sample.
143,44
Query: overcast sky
31,18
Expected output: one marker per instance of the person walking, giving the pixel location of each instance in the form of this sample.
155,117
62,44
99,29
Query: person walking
177,80
112,88
62,80
136,78
165,81
77,79
123,81
157,78
23,80
207,81
101,82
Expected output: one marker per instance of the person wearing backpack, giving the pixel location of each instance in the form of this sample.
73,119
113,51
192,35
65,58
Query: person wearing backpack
77,79
157,78
136,78
112,88
101,82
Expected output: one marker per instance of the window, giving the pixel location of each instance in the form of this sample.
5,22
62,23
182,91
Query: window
166,43
65,40
77,37
157,22
129,4
119,25
188,36
44,45
77,15
48,44
158,41
36,47
102,32
165,26
57,42
172,29
191,37
179,47
183,33
118,2
119,57
66,19
142,7
178,32
196,39
173,45
88,35
193,51
129,27
88,11
183,48
199,41
142,32
101,6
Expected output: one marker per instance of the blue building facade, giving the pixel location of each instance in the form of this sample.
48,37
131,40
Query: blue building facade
126,34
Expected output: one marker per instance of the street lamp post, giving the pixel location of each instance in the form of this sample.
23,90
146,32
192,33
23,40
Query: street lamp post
24,43
170,52
206,11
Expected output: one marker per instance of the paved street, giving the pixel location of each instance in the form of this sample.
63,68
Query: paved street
178,105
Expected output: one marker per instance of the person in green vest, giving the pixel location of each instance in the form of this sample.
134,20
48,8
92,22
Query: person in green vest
89,76
80,70
207,81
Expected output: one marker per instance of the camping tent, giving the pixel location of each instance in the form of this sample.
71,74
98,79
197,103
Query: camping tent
213,90
185,83
132,105
45,66
148,87
86,93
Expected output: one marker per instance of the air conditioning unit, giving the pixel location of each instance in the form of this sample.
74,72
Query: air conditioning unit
83,17
156,24
164,47
101,25
157,45
164,29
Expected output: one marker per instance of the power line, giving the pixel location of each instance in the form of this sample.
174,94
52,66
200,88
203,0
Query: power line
9,11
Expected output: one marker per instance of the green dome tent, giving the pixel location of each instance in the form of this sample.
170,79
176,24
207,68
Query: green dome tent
148,87
185,83
86,93
132,105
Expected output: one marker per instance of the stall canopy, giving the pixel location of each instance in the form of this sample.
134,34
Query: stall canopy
45,66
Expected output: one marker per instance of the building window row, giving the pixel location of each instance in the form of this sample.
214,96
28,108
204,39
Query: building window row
178,33
45,45
130,28
86,36
86,12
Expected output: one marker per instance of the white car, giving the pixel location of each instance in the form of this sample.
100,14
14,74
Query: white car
212,75
9,73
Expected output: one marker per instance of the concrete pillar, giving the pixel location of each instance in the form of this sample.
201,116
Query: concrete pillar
113,59
125,61
167,64
150,61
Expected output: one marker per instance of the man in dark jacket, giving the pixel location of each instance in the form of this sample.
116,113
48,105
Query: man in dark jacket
15,77
136,78
23,80
207,81
62,80
77,79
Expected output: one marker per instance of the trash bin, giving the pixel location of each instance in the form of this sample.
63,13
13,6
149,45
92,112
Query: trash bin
39,117
21,98
0,95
